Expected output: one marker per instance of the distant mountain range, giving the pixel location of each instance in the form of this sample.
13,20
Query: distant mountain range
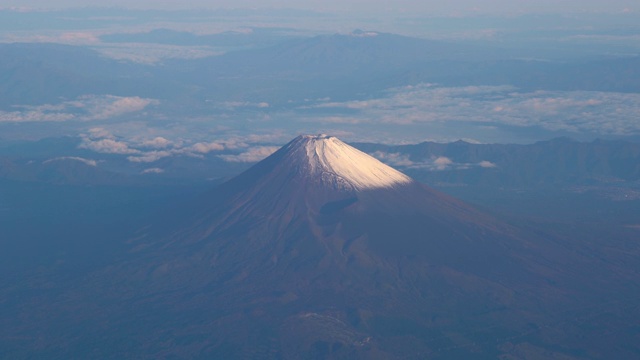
346,66
37,74
229,40
559,162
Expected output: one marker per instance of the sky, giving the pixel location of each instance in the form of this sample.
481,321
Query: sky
409,6
405,112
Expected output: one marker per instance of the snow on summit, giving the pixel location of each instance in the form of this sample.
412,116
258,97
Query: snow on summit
327,155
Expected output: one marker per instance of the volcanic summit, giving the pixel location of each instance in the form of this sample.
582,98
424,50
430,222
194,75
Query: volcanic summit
321,246
333,162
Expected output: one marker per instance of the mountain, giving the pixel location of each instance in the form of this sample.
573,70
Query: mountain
321,251
339,66
556,162
340,54
319,187
36,74
365,63
249,38
285,73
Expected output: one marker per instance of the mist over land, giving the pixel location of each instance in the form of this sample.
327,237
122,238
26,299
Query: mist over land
218,73
123,131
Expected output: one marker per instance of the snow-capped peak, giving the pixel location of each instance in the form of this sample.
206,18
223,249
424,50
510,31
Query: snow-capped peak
362,33
328,157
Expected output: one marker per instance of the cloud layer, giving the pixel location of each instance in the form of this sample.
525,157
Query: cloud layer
149,150
85,108
603,113
402,161
251,155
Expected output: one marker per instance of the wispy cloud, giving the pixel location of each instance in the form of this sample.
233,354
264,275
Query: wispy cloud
205,148
67,37
574,111
102,141
99,133
232,105
141,149
105,107
73,158
393,159
84,108
152,171
487,164
434,163
151,156
34,115
157,143
152,53
232,143
251,155
108,146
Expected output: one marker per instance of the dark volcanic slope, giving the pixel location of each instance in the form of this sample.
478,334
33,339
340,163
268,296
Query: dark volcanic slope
321,251
320,199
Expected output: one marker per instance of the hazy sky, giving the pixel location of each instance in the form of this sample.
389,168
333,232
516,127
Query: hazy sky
451,7
422,112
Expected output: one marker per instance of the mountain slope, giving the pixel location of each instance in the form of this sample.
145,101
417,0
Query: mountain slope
321,229
317,178
320,251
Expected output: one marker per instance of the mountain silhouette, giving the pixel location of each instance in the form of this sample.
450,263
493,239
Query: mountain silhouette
322,251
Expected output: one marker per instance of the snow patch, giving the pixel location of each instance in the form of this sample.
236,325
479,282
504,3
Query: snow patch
88,162
327,155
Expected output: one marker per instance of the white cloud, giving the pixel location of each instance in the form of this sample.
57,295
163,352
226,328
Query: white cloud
33,116
157,143
232,105
73,158
575,111
84,108
99,133
442,162
71,38
150,157
107,146
205,148
439,163
197,149
152,171
109,106
487,164
252,155
143,148
393,159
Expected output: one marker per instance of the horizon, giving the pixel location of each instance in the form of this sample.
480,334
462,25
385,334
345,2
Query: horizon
455,8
